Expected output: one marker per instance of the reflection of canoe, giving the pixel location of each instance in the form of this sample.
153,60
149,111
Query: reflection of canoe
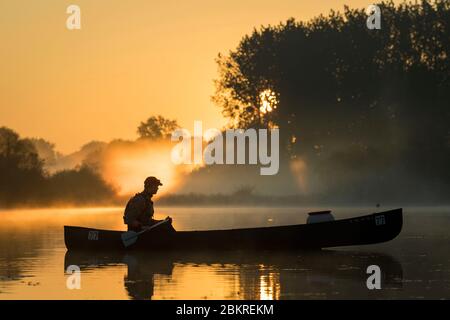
314,260
298,271
369,229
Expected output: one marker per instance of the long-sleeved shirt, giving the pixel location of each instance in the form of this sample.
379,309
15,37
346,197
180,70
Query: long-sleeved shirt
140,208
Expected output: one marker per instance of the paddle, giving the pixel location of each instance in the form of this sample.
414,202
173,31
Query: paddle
130,237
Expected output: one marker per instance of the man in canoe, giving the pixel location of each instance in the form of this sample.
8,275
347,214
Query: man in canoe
139,210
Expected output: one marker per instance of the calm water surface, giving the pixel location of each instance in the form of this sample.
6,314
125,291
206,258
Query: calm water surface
33,259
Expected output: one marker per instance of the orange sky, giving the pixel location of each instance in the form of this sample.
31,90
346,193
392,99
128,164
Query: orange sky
130,60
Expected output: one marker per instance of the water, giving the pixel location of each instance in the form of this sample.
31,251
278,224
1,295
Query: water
33,259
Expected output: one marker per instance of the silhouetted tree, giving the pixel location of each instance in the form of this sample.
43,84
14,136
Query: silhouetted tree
80,186
20,168
350,99
25,182
157,127
45,150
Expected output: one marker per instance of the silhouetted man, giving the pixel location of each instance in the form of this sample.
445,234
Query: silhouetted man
139,210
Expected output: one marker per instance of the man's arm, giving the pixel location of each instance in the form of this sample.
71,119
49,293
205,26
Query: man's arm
134,210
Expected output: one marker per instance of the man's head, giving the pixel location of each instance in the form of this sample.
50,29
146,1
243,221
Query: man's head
151,185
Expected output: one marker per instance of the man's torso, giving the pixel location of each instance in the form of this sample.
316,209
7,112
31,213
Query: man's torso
139,208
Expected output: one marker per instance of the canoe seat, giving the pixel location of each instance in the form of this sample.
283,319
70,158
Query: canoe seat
319,216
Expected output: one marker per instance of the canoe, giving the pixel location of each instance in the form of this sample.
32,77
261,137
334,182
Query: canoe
369,229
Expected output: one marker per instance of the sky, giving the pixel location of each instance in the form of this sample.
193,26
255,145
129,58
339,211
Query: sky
129,61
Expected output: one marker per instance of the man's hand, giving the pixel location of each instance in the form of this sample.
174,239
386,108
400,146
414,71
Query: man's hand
170,219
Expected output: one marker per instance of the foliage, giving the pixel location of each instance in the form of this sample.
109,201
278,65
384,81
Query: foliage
350,98
25,182
157,127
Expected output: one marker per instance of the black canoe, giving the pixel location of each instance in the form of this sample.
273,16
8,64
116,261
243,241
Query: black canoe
369,229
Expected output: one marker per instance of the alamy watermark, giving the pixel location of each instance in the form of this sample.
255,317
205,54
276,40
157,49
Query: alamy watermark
374,280
374,17
228,147
73,21
74,279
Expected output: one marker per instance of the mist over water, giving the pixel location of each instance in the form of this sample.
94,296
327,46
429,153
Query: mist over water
124,165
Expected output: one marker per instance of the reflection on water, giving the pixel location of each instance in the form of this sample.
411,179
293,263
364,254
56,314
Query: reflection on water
33,260
242,275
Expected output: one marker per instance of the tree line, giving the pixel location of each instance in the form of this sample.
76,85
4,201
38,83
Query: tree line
29,178
24,181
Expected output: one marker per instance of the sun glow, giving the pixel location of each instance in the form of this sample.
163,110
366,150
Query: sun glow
268,101
128,165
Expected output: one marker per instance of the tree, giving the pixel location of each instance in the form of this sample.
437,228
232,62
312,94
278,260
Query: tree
79,186
156,128
349,98
23,180
21,170
45,150
18,152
